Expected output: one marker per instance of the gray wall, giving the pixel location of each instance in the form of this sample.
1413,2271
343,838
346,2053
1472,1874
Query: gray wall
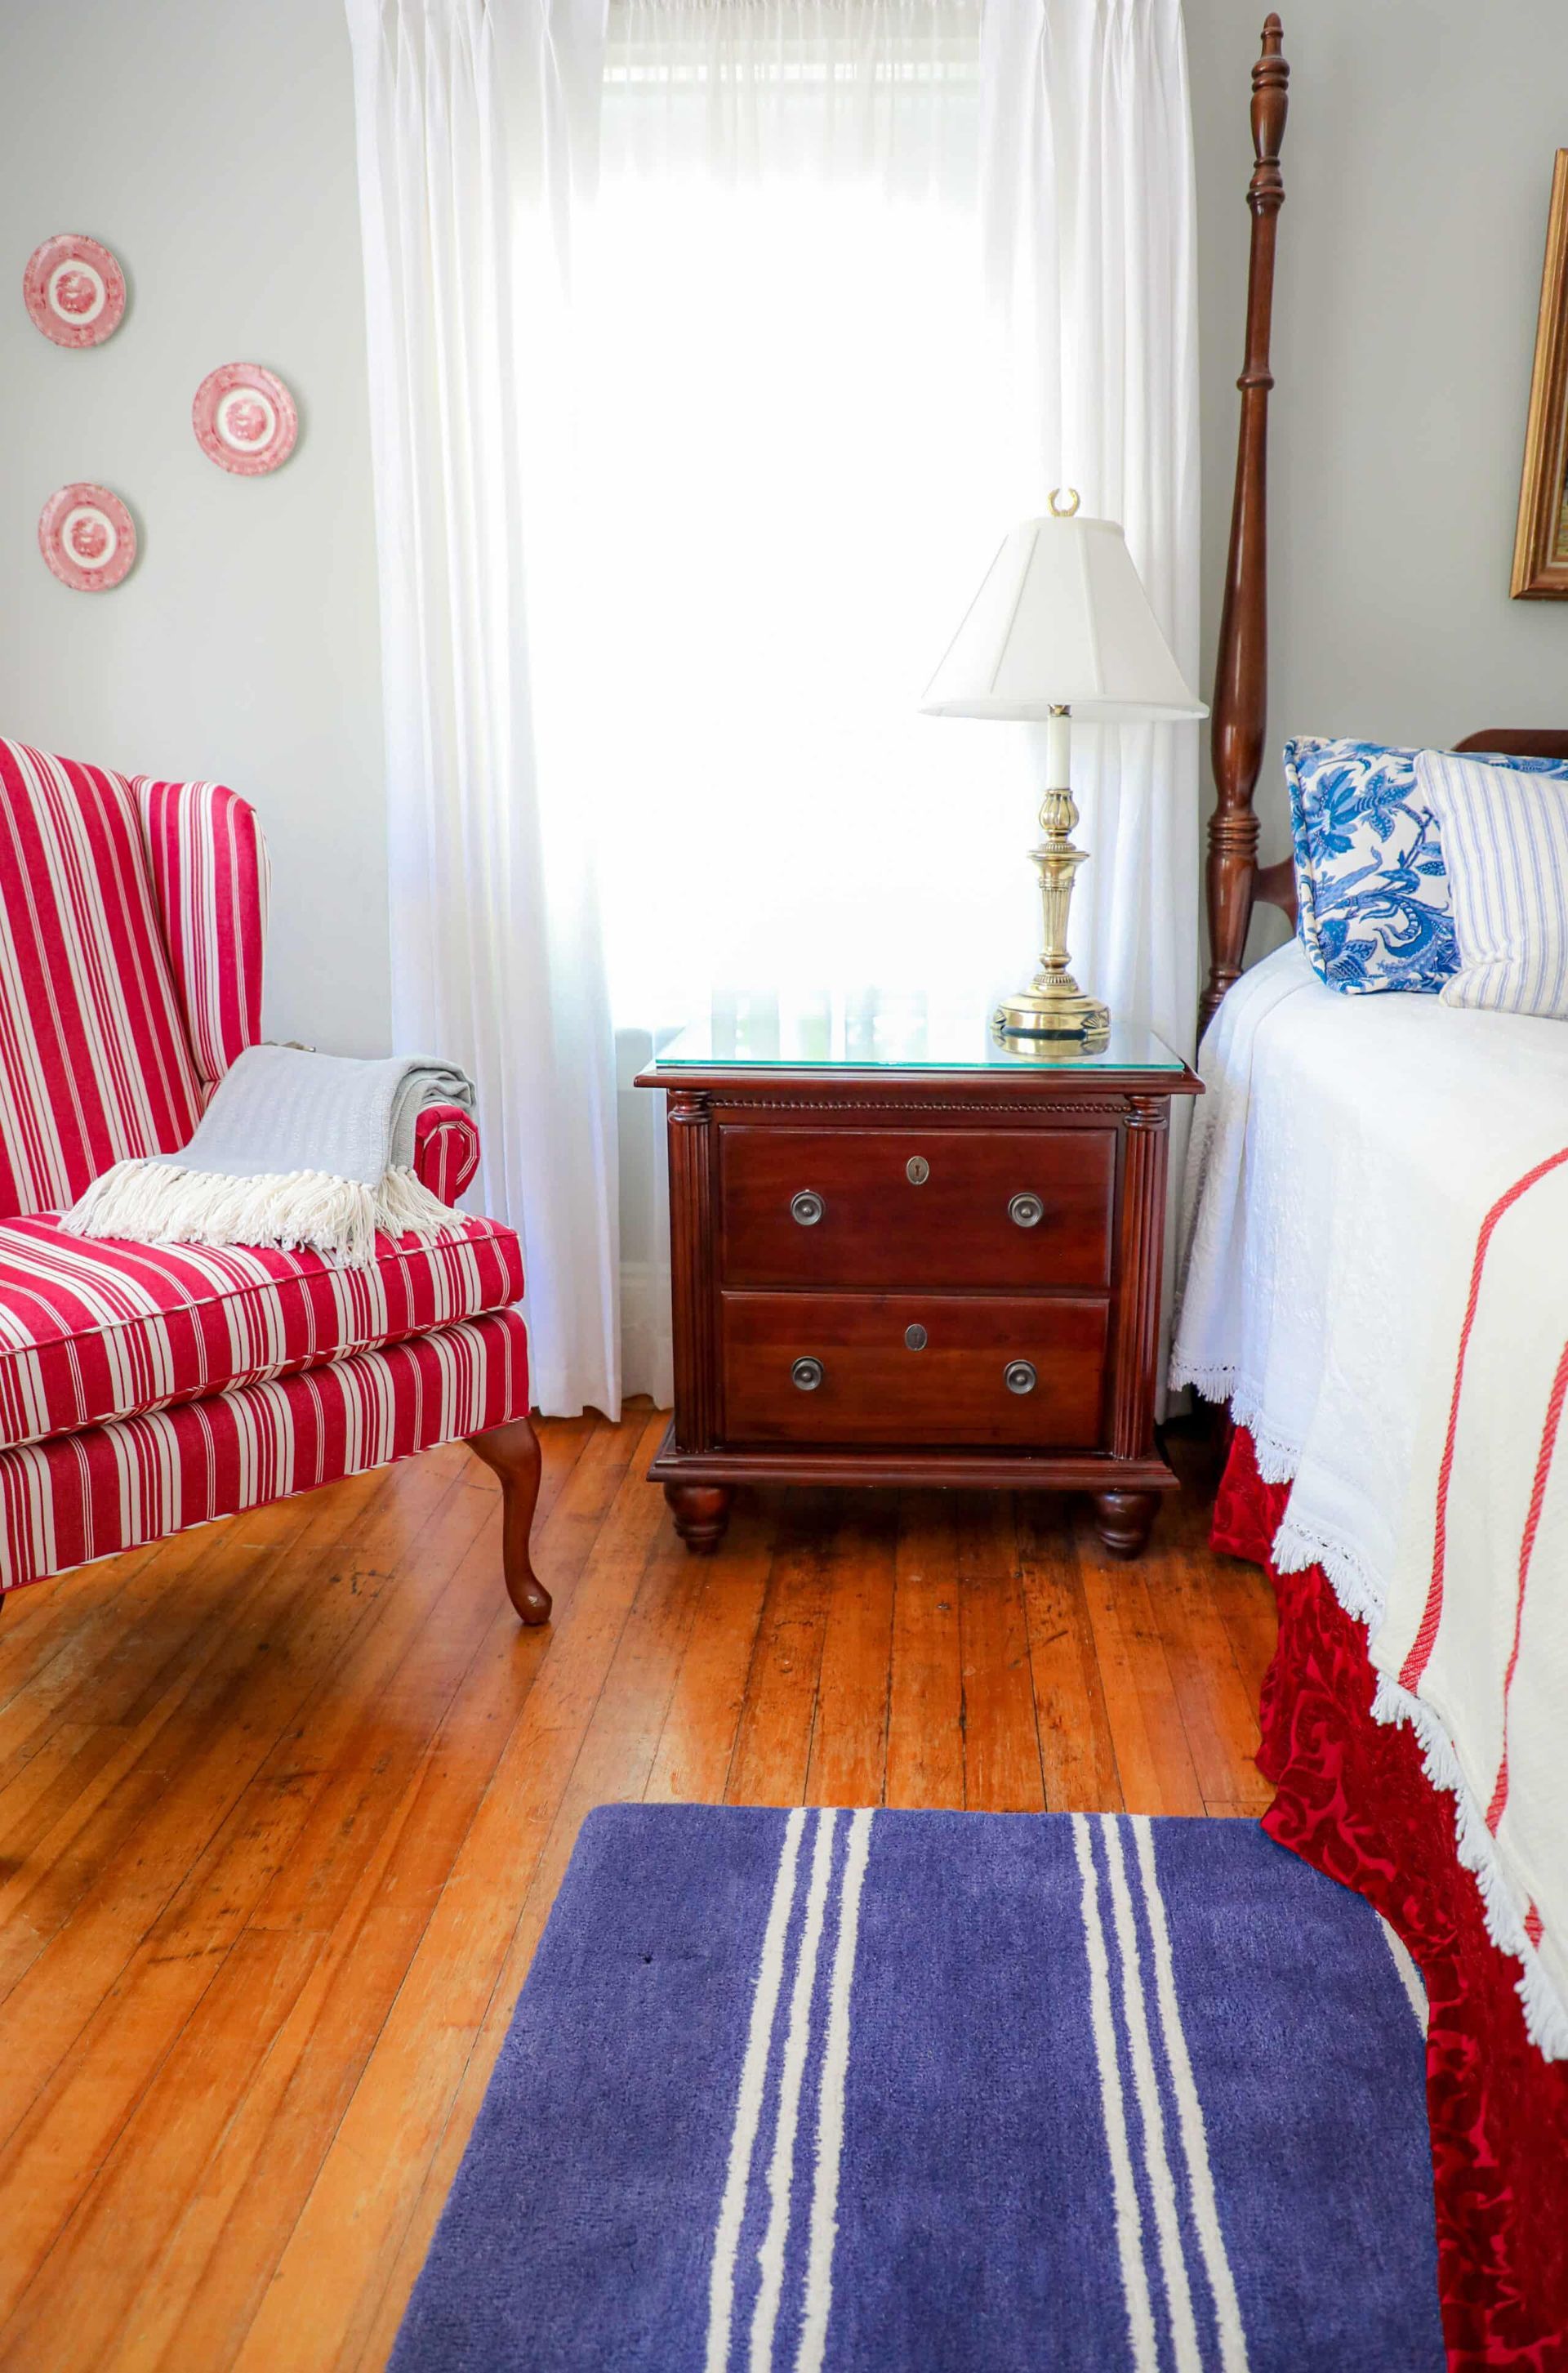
210,145
1417,163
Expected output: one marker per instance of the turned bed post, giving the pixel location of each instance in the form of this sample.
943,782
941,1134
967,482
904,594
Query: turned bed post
1241,668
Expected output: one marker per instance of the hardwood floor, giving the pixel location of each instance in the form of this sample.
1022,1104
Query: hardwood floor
284,1804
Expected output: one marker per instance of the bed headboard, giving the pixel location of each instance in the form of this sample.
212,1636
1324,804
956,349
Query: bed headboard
1517,741
1235,881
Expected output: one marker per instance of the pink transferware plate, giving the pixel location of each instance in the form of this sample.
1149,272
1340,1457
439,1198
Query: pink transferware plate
74,290
244,418
87,537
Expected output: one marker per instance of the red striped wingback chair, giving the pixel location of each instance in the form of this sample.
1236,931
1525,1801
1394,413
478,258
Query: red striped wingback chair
144,1388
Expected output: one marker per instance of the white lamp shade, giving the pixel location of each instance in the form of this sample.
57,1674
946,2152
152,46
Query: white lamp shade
1061,620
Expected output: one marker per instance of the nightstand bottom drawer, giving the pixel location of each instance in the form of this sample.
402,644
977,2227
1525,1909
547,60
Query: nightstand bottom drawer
1021,1370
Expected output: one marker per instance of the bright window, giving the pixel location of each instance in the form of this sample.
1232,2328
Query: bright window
790,489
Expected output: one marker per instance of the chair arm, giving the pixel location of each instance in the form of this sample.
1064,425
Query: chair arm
446,1150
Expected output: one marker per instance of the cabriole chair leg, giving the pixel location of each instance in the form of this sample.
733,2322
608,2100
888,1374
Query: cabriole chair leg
513,1451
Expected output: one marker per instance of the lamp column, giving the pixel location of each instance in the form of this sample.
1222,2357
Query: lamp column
1052,1015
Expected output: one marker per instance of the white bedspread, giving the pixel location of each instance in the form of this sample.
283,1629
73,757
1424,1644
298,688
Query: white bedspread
1341,1169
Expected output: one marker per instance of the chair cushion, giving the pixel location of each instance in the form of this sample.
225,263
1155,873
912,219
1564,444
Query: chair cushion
93,1329
95,1065
112,1487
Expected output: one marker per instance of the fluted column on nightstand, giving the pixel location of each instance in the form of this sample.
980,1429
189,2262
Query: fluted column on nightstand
700,1510
1146,1135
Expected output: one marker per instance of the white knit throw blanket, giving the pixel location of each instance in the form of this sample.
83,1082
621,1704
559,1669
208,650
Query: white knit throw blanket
296,1149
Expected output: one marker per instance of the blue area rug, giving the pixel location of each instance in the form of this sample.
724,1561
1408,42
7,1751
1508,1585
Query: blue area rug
940,2093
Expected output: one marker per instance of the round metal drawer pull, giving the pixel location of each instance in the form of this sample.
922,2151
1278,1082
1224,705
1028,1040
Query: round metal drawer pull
1019,1376
917,1170
915,1336
1026,1211
807,1374
807,1207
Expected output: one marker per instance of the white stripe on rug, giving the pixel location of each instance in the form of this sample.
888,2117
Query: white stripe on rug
749,2100
1411,1978
830,2107
780,2168
1189,2110
1114,2110
1162,2184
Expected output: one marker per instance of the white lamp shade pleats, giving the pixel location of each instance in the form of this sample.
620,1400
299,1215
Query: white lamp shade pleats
1060,620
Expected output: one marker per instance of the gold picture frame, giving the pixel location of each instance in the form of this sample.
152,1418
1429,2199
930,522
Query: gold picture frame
1541,547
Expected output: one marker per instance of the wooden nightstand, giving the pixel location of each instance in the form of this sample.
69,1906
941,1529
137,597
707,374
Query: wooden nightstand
906,1255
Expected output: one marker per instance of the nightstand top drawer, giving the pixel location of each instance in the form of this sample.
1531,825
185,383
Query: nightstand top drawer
1013,1210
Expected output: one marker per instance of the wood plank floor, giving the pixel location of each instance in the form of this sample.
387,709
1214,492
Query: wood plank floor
285,1802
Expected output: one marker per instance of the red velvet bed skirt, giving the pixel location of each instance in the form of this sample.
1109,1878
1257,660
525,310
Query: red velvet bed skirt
1353,1800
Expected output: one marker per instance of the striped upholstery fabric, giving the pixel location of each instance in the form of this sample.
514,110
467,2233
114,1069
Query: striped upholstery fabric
93,1329
210,874
446,1150
94,1060
88,1495
144,1388
1505,847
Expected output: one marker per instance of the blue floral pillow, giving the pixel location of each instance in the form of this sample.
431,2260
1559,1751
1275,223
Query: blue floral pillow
1371,895
1372,889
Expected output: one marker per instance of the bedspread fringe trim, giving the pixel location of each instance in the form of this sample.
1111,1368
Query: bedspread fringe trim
1276,1458
1546,2019
1213,1384
1296,1547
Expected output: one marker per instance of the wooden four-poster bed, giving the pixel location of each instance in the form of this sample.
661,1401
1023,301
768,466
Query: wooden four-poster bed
1378,1801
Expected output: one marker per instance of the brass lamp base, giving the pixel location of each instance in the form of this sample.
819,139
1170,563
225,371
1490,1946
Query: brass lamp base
1052,1015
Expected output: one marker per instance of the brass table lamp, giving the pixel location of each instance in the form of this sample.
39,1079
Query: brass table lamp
1060,628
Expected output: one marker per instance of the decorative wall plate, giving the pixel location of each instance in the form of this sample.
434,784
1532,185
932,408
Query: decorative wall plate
244,418
87,537
74,290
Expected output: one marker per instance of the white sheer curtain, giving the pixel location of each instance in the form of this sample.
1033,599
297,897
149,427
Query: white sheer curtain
1091,247
858,282
476,127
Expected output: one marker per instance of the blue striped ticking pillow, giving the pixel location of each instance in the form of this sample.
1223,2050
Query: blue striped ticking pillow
1505,833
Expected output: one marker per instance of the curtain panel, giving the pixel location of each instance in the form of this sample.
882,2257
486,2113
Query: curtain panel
565,717
476,127
1088,218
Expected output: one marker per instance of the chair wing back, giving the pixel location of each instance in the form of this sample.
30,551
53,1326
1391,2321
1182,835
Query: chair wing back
211,874
97,1057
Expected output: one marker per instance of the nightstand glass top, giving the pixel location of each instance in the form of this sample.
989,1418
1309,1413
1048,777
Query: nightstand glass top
879,1031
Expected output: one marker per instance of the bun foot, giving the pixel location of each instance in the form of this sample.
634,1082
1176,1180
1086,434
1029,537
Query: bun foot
1124,1520
701,1512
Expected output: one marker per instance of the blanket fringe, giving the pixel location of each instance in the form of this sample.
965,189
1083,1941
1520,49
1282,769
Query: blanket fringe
1296,1546
1213,1384
1546,2019
296,1210
1277,1459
